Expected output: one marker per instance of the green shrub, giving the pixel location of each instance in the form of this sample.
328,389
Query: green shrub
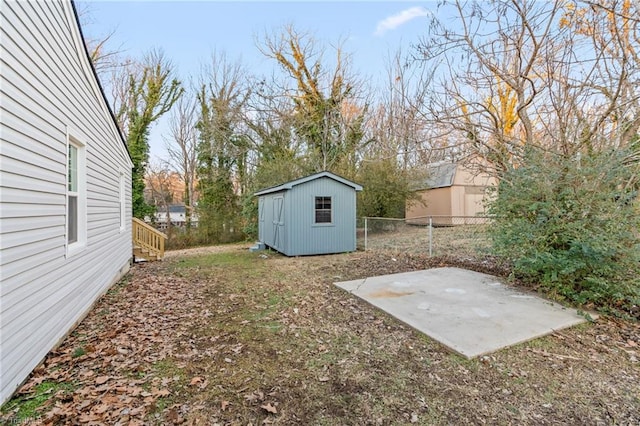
385,188
572,225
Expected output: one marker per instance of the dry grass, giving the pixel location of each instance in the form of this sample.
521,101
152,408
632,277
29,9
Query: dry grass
257,338
397,236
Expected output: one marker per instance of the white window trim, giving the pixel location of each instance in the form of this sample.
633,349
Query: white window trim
81,242
123,200
331,223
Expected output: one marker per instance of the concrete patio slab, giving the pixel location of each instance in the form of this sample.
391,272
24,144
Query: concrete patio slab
470,312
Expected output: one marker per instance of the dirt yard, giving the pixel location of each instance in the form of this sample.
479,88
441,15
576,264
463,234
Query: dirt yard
222,336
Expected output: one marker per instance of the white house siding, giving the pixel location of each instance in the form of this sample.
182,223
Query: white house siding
47,88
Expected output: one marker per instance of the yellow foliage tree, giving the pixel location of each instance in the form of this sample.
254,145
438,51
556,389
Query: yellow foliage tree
503,108
327,119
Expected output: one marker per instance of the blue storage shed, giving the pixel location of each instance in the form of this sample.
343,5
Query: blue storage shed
311,215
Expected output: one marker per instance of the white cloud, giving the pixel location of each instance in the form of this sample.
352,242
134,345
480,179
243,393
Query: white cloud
394,21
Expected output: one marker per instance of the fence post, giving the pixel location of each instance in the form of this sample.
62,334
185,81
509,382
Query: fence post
365,233
430,236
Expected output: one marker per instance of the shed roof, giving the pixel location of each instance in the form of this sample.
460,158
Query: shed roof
440,175
291,184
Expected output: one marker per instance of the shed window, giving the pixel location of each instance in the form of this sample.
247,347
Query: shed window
323,209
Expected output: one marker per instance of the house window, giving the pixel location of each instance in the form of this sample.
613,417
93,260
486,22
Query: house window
123,204
76,196
323,209
72,195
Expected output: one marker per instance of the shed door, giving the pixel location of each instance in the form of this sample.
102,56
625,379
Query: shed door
278,222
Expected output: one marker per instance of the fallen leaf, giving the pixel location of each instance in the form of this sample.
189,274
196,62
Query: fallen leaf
100,409
196,380
102,380
161,392
269,408
84,404
173,416
86,418
224,405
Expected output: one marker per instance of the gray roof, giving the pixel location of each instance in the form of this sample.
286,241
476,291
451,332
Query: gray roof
440,175
291,184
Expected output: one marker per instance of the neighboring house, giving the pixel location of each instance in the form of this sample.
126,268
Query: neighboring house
177,216
451,189
65,185
311,215
167,185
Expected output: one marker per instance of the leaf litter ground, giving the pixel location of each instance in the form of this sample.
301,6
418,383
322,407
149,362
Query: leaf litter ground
223,336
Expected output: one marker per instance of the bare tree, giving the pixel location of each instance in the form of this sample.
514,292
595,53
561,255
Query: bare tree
489,57
328,101
182,147
104,58
556,75
223,147
396,125
143,91
159,188
276,154
611,28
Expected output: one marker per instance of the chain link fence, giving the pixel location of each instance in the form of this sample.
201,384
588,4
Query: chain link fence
433,235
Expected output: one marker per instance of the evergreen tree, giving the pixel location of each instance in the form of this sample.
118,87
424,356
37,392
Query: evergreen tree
222,152
146,92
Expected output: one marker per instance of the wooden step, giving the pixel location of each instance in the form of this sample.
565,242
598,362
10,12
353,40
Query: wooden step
148,242
140,253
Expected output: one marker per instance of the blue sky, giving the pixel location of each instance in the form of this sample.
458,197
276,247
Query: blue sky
188,32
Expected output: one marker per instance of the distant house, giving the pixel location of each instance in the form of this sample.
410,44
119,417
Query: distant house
177,216
451,189
65,185
311,215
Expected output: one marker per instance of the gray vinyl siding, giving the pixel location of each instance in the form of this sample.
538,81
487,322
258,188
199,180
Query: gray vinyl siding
298,234
47,85
305,237
267,211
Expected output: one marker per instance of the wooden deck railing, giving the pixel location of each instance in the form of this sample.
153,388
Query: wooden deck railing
148,238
